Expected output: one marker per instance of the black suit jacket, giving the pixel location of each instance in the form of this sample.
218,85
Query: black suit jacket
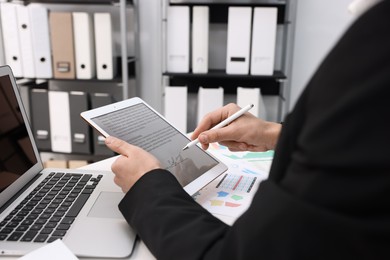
328,193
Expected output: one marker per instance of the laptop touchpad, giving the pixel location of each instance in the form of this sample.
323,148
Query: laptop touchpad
106,205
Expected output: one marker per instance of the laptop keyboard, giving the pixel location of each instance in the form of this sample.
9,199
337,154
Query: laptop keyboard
47,213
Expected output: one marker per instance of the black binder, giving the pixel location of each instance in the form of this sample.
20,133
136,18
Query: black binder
40,118
80,131
98,100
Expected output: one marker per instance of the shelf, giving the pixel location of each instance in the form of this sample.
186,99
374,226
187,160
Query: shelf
117,79
222,74
95,2
230,2
219,9
269,85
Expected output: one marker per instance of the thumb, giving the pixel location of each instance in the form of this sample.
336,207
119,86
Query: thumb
117,145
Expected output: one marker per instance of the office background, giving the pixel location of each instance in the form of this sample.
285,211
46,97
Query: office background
316,25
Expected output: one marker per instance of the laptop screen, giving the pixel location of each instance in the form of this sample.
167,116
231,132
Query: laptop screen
16,153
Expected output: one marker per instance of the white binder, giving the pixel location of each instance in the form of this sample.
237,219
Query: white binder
263,40
200,39
105,65
238,40
253,96
59,113
175,107
12,49
209,99
41,41
178,39
84,45
25,38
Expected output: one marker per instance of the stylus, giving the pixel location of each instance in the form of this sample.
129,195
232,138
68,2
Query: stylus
223,123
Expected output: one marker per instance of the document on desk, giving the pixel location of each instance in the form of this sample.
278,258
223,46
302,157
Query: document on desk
231,193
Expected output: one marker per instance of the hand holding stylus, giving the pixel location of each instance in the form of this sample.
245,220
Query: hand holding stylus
223,123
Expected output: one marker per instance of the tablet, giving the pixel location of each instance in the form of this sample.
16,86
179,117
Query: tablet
137,123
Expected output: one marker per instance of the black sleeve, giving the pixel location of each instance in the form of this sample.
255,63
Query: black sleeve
168,220
278,225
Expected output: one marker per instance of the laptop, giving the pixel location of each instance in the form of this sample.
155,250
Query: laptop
38,206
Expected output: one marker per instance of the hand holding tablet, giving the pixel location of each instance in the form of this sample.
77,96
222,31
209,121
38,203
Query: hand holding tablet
135,122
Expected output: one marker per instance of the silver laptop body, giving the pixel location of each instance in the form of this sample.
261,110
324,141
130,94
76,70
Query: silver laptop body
98,230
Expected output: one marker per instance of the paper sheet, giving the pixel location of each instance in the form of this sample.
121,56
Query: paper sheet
55,250
231,193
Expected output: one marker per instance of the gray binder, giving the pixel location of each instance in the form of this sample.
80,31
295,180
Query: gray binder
40,118
80,131
98,100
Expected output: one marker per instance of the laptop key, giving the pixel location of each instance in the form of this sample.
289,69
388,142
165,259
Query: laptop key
67,220
51,225
77,206
22,228
63,227
29,236
7,230
59,233
41,238
46,231
53,238
15,236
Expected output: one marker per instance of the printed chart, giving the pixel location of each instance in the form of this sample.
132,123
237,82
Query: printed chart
232,192
237,182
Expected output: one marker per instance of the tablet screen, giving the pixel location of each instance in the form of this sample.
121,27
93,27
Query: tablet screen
141,126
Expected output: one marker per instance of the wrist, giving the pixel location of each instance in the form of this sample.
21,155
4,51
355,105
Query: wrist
272,132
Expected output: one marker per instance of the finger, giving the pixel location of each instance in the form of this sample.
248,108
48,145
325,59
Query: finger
217,135
118,164
119,146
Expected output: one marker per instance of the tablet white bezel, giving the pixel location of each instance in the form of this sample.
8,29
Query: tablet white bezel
190,188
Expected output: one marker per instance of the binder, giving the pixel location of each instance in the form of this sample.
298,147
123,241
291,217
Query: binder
247,96
84,45
178,39
209,99
61,36
263,40
200,39
25,34
238,40
40,118
175,107
98,100
80,131
253,96
105,64
12,49
39,20
59,113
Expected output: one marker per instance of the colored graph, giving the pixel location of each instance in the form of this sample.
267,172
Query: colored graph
237,183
